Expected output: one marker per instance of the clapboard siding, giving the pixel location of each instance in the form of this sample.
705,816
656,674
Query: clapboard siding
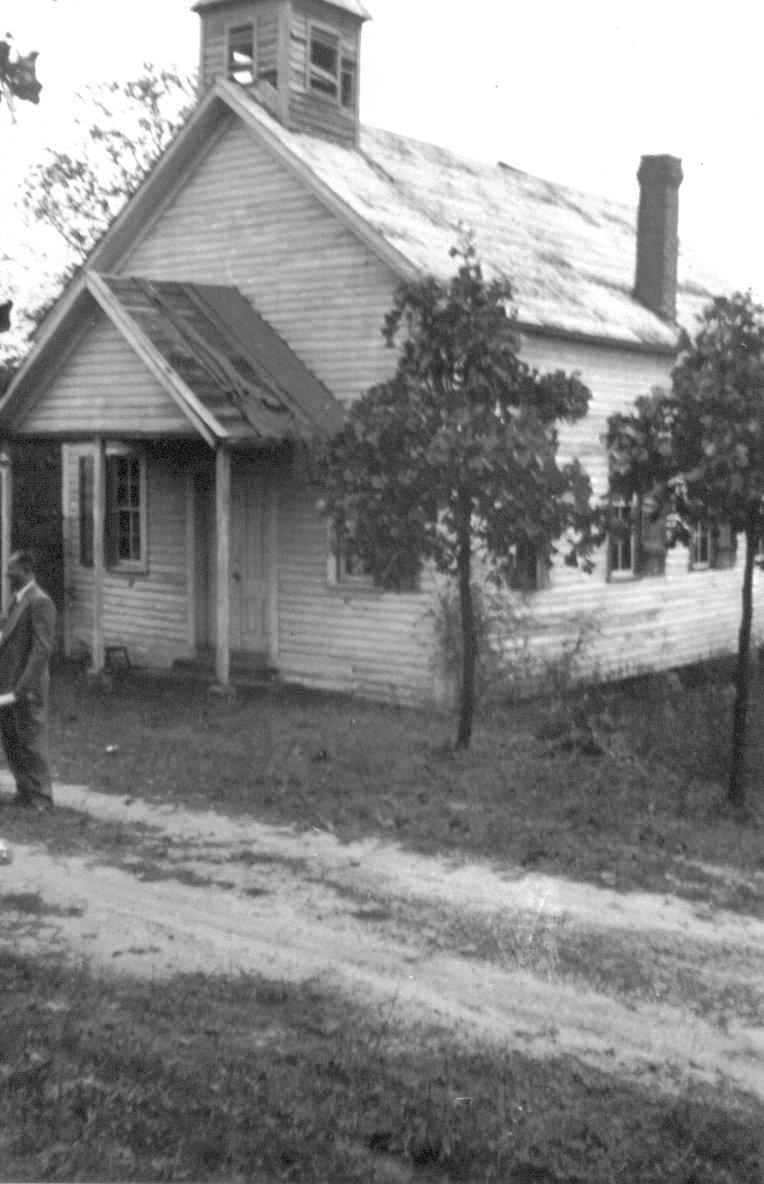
615,378
373,644
621,627
103,387
243,219
147,612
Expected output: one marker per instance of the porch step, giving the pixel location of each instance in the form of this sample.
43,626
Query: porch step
247,669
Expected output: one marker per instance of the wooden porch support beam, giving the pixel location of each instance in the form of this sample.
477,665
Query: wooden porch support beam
99,548
223,543
6,511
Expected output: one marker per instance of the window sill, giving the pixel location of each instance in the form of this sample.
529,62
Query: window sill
122,569
622,577
363,587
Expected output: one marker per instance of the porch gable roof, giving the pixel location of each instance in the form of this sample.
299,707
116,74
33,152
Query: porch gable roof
227,370
238,375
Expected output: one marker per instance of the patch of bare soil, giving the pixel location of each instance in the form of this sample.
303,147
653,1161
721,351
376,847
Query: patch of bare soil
643,985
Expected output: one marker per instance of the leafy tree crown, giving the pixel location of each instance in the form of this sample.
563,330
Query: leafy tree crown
698,449
465,426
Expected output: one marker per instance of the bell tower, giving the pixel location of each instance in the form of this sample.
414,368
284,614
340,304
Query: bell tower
301,58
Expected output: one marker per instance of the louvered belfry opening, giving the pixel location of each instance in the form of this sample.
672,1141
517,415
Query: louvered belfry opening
299,58
658,234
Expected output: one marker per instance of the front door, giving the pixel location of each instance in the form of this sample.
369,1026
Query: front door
250,560
249,583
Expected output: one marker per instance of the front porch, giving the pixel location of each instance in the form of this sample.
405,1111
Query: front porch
177,409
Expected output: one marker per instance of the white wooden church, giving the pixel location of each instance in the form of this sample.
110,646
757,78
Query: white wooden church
234,309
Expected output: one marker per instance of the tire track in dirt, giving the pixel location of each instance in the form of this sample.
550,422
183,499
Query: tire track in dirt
292,911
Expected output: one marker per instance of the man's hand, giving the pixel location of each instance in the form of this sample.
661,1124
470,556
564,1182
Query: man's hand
8,699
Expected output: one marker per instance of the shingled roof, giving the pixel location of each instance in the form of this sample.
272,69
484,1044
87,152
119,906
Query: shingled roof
569,255
353,6
219,359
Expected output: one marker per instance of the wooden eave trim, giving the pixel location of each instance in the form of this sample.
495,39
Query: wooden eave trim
578,336
204,422
328,198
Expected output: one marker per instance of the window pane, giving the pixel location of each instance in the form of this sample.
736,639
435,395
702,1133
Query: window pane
323,53
125,509
621,541
348,83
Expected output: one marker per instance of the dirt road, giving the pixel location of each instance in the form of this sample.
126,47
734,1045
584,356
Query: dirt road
636,984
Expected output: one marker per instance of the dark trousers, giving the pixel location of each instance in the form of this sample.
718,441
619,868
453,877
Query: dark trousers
23,730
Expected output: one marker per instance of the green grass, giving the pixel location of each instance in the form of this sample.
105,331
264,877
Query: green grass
207,1079
620,786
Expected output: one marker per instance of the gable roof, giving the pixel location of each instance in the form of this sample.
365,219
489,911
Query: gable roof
570,256
228,371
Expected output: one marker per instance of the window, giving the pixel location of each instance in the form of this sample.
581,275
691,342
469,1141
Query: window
345,564
712,546
124,511
636,546
125,500
700,546
622,542
331,74
241,55
347,88
324,63
528,571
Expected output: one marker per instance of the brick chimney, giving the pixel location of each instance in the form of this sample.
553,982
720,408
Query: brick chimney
658,234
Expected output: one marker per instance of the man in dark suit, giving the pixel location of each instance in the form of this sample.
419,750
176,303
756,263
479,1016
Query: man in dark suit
26,642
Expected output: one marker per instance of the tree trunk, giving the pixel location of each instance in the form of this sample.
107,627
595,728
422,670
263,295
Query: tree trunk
736,790
469,632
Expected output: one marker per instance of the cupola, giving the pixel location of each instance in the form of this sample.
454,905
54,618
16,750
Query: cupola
301,58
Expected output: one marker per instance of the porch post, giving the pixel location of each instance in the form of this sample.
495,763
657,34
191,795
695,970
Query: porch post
6,498
99,519
223,542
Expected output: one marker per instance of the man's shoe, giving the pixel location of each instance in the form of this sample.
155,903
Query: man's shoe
40,804
35,802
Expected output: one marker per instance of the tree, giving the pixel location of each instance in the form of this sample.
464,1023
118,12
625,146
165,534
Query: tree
123,128
119,131
18,75
698,452
455,457
18,80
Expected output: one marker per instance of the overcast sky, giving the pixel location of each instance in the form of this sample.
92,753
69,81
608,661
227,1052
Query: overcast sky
572,92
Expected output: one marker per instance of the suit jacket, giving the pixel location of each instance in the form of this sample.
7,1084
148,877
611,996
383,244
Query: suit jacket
26,643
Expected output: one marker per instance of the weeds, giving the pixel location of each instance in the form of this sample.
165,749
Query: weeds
618,785
208,1079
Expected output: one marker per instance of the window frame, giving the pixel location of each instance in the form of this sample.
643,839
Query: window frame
140,564
699,532
349,75
112,562
230,33
619,574
758,558
336,575
318,31
530,573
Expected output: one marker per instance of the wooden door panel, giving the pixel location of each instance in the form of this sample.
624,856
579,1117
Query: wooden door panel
249,561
